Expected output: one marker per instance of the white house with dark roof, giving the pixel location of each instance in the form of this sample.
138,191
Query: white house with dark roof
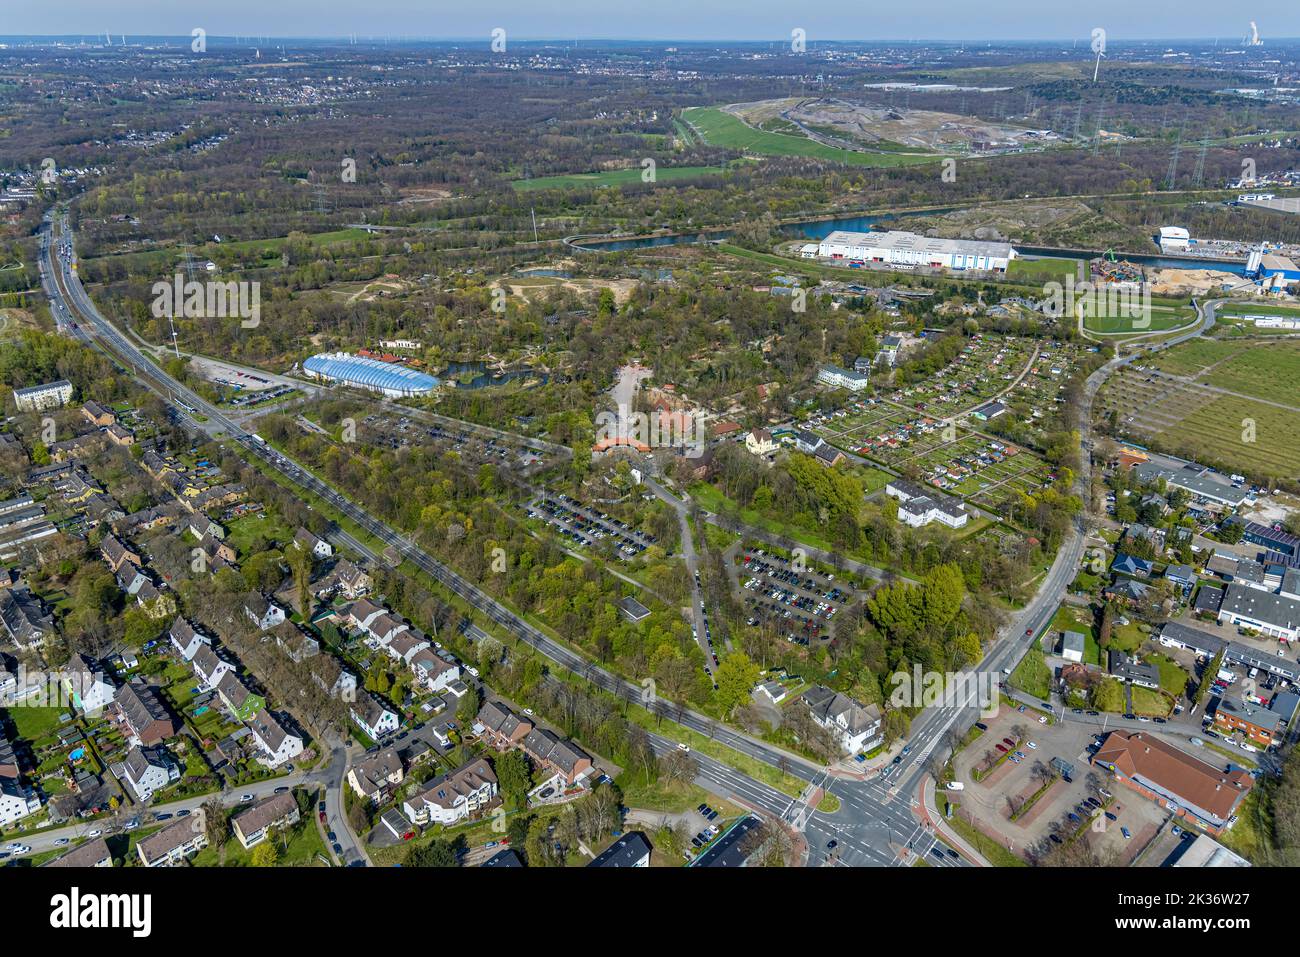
308,542
277,744
148,771
16,801
186,639
209,667
373,717
855,728
263,613
455,796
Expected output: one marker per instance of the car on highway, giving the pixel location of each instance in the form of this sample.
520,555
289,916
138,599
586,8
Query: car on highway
246,797
61,842
684,747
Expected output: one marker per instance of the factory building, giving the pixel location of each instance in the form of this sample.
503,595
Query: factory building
1173,239
909,250
390,378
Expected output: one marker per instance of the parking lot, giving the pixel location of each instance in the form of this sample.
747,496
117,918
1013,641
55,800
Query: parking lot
800,603
1015,803
588,526
395,432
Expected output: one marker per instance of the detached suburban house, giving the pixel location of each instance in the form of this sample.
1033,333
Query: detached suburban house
374,777
374,718
264,614
455,796
310,543
854,727
277,744
149,770
185,639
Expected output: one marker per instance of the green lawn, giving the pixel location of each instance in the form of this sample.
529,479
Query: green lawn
33,724
719,128
304,844
1043,270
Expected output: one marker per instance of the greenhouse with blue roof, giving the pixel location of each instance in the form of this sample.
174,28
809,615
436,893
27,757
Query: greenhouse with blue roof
391,379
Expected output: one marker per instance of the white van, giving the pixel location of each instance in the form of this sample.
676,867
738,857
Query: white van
956,786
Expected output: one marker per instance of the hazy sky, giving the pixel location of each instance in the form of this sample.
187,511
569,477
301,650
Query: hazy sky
661,19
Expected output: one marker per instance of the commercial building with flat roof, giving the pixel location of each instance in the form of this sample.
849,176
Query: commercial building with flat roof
899,248
1274,615
1198,481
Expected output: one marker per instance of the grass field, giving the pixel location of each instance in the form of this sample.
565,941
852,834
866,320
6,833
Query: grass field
1042,270
722,129
614,177
1249,309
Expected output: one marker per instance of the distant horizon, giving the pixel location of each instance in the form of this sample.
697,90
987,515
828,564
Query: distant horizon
813,42
664,21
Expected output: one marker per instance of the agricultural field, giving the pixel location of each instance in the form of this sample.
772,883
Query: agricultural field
718,128
1187,419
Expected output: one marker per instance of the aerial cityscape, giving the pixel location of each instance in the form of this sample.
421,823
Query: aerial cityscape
486,449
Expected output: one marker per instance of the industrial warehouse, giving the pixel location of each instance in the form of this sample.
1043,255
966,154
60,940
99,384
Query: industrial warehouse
390,378
898,248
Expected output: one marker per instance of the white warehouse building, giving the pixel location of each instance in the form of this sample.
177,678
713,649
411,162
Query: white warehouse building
392,379
910,249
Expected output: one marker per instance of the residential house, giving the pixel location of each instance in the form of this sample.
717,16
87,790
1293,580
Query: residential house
173,843
89,688
16,801
209,667
116,554
264,614
500,727
1129,565
94,853
141,715
295,642
261,820
567,762
120,435
148,771
630,850
1127,591
185,639
310,543
455,796
96,414
760,442
373,717
1131,671
24,617
375,776
1182,577
242,703
333,678
1262,726
405,644
433,672
854,727
278,745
